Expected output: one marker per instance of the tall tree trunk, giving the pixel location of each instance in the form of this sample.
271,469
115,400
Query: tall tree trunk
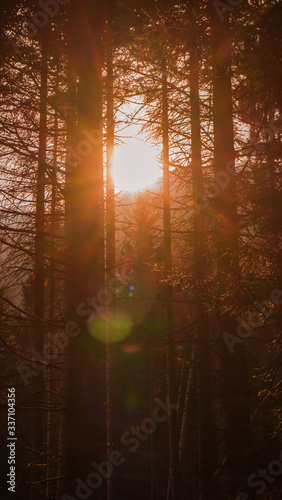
175,475
274,213
52,384
188,441
202,333
39,424
86,298
113,492
234,373
71,127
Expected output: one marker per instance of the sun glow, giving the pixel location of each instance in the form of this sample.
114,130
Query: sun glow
135,166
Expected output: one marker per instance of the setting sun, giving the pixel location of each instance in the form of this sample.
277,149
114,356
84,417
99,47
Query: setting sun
135,166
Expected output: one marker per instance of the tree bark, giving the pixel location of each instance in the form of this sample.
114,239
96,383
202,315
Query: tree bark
202,334
113,483
86,279
175,475
39,422
234,372
188,441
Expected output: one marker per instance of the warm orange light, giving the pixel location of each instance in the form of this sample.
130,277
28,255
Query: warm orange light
135,166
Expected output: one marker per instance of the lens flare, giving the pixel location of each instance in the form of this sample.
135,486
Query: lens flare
112,328
132,348
132,401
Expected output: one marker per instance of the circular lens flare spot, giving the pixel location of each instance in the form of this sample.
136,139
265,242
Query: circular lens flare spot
132,348
132,401
112,328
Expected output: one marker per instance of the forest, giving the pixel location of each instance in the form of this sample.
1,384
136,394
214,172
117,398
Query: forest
141,249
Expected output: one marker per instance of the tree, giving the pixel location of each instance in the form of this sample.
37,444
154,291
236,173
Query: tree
235,384
86,247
